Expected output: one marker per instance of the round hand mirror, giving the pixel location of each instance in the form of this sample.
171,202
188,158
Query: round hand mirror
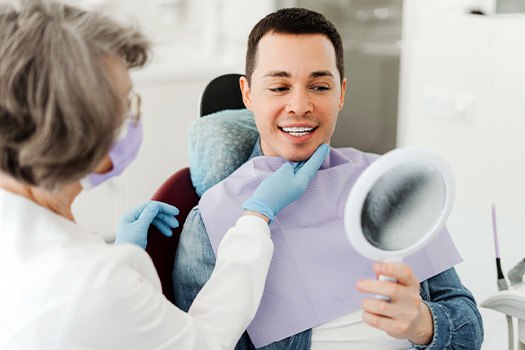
398,204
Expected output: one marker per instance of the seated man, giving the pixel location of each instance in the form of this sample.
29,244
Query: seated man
295,87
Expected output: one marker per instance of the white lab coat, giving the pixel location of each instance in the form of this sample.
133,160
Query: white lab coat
62,287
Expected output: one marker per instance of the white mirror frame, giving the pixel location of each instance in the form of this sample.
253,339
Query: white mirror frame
363,185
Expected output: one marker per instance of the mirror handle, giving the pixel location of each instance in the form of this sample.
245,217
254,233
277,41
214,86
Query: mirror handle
385,278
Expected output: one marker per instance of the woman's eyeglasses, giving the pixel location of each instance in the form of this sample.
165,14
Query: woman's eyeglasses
134,107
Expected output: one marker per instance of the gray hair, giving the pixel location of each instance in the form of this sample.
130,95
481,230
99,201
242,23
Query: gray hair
59,109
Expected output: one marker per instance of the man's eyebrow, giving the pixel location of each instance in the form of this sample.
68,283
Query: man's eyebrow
285,74
278,74
321,73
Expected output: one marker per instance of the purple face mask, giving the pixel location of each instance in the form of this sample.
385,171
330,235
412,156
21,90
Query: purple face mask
121,154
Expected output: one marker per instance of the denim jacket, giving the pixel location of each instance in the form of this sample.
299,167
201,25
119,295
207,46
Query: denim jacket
457,322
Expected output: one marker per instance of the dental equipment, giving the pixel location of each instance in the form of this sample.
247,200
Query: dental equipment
516,273
501,281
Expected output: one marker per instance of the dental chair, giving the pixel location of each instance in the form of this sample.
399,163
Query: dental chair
222,93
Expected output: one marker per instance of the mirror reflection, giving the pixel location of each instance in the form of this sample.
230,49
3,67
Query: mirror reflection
402,206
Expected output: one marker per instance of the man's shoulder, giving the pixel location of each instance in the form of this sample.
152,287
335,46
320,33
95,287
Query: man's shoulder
193,222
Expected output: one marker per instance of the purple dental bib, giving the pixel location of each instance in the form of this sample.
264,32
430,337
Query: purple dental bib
314,269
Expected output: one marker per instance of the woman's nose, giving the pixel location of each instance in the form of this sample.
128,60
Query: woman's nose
299,103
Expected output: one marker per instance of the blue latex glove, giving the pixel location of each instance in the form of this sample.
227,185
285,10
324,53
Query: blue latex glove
133,225
285,185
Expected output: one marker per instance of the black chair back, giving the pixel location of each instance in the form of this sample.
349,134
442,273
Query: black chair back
222,93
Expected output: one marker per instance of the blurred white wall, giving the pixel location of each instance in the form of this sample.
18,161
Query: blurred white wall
462,95
194,41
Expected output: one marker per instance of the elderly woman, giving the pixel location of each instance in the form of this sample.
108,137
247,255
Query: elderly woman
65,121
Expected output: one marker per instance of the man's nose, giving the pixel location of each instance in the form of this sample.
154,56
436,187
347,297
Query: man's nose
299,103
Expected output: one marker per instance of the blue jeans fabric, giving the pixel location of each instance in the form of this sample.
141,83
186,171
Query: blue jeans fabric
457,322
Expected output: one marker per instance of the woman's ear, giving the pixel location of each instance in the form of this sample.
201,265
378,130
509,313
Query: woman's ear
104,166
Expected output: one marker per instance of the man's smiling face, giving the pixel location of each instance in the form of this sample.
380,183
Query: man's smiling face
295,94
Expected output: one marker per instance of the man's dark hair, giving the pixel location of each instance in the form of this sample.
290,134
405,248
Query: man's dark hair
293,21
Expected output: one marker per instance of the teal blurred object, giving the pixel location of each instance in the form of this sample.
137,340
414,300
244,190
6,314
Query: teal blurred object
219,144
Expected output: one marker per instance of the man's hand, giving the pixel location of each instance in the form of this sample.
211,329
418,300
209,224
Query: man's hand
405,316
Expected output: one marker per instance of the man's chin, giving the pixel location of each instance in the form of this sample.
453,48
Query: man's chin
293,153
298,156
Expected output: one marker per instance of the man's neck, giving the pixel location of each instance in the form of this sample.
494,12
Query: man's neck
257,150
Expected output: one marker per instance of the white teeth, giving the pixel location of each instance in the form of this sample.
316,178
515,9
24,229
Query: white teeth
295,129
297,133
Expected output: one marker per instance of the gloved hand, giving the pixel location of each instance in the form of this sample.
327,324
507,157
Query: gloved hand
133,225
285,185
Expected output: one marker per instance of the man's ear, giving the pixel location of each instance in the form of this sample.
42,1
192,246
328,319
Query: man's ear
342,97
246,93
